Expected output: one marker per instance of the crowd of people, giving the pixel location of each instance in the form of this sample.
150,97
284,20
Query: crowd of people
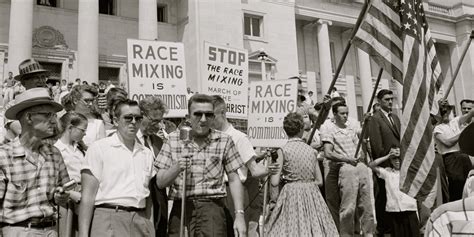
85,160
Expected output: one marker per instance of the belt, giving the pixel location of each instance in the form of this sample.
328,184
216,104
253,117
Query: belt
220,201
118,207
34,222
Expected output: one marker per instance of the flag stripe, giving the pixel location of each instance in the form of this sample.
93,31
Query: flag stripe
395,33
386,64
394,47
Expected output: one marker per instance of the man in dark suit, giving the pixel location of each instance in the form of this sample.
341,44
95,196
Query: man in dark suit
153,110
384,134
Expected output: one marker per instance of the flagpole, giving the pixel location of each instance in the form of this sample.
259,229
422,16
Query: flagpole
323,114
456,71
365,126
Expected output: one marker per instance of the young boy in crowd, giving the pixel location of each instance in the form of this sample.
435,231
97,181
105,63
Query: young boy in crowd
401,207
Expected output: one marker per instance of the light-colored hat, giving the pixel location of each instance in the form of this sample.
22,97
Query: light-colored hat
29,66
30,98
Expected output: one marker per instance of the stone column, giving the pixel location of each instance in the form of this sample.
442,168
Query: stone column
88,41
325,67
20,39
365,75
310,64
147,20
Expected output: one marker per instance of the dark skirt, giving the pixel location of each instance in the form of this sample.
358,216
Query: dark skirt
404,224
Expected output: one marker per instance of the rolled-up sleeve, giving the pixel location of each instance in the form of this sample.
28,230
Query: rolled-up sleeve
93,161
232,159
164,159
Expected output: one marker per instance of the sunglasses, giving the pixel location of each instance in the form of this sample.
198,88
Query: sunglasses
210,115
48,115
130,118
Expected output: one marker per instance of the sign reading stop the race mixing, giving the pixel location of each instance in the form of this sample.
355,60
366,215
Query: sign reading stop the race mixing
226,74
270,102
158,68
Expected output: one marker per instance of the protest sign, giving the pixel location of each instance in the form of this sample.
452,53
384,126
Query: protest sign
158,68
226,74
270,102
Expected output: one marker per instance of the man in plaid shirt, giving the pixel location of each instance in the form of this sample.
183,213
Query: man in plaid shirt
206,158
340,143
31,172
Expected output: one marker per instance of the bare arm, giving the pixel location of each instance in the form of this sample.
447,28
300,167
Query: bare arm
317,171
334,156
90,185
165,178
447,141
237,191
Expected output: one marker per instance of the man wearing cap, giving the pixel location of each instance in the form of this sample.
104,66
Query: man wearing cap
31,172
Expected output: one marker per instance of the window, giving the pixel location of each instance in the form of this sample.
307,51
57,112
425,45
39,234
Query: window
253,25
107,7
54,68
162,13
48,3
109,74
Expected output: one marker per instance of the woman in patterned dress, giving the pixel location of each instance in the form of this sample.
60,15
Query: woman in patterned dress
300,209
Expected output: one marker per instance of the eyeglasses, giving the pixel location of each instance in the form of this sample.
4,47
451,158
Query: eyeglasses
153,121
81,129
48,115
88,101
130,118
210,115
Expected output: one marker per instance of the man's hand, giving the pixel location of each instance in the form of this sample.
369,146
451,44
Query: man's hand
240,230
184,163
352,161
60,196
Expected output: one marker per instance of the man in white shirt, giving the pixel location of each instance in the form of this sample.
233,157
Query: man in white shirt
115,180
457,164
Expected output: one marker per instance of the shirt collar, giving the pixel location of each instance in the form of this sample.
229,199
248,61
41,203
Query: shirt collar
116,142
385,113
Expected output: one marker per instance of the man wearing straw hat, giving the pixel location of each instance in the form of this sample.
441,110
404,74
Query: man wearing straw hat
31,172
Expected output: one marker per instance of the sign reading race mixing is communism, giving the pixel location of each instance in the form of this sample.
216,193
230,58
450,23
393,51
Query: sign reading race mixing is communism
225,73
158,68
270,102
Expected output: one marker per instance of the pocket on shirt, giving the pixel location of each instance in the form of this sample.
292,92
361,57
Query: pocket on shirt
16,191
213,166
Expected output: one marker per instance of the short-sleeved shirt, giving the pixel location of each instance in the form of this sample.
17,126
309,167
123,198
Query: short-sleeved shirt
397,201
123,175
447,130
245,148
28,180
73,158
208,163
344,140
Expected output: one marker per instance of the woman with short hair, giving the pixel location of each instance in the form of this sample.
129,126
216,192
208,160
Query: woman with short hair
300,209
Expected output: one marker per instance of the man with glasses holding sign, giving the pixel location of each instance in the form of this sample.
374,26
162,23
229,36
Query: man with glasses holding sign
209,154
115,180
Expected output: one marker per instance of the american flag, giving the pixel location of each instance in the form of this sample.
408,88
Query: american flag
395,33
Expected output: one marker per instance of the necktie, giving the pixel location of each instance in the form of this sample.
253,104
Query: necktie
391,119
